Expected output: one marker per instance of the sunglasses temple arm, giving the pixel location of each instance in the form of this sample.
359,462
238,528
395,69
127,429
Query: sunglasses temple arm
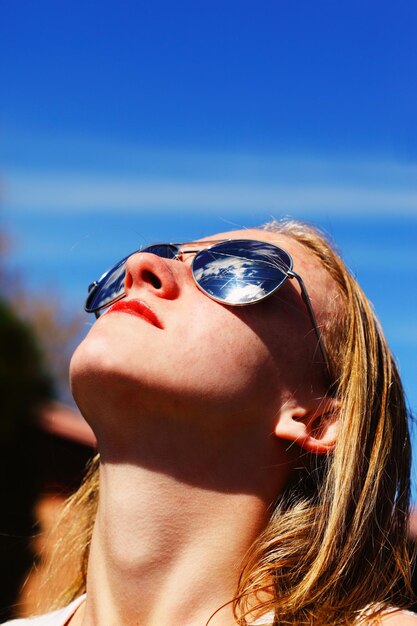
309,306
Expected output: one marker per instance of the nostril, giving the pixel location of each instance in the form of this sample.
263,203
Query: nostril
128,280
149,277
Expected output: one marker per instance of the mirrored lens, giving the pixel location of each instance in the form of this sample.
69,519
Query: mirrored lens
241,271
108,288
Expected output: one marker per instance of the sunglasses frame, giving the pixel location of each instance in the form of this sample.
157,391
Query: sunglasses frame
289,273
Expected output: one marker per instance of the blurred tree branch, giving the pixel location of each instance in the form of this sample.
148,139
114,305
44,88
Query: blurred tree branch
57,330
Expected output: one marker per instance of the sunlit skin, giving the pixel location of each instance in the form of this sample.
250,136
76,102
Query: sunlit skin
209,357
200,422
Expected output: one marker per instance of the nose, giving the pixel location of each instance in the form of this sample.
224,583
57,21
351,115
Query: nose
146,271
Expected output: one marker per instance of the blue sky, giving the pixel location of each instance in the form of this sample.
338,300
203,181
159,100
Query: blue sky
125,123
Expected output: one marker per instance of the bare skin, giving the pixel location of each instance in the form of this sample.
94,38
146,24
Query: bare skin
195,441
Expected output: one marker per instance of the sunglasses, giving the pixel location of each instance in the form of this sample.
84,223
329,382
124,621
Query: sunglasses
235,272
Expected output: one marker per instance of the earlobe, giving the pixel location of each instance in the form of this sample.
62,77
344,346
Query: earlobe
313,428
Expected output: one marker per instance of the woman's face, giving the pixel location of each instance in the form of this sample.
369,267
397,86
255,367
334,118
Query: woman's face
191,356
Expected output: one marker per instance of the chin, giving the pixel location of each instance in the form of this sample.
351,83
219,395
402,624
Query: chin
94,369
104,350
110,377
91,355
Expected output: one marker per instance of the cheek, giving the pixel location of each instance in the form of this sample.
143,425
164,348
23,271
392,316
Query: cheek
230,359
282,325
210,361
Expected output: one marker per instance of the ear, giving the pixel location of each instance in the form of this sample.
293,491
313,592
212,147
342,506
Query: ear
314,427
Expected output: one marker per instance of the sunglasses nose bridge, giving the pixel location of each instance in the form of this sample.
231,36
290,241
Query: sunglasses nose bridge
148,271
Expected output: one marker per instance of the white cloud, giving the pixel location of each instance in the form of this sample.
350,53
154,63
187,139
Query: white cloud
43,192
88,174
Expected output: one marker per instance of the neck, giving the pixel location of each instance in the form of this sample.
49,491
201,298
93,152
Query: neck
168,546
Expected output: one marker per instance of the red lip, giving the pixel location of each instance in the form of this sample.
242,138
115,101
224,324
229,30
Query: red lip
135,307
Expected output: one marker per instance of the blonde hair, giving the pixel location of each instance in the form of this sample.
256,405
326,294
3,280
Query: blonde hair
336,542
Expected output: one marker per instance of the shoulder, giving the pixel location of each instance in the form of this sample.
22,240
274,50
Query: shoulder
391,617
400,618
56,618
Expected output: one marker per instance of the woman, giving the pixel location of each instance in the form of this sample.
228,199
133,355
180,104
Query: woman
254,460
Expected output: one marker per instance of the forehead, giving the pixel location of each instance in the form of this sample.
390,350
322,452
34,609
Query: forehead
252,233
